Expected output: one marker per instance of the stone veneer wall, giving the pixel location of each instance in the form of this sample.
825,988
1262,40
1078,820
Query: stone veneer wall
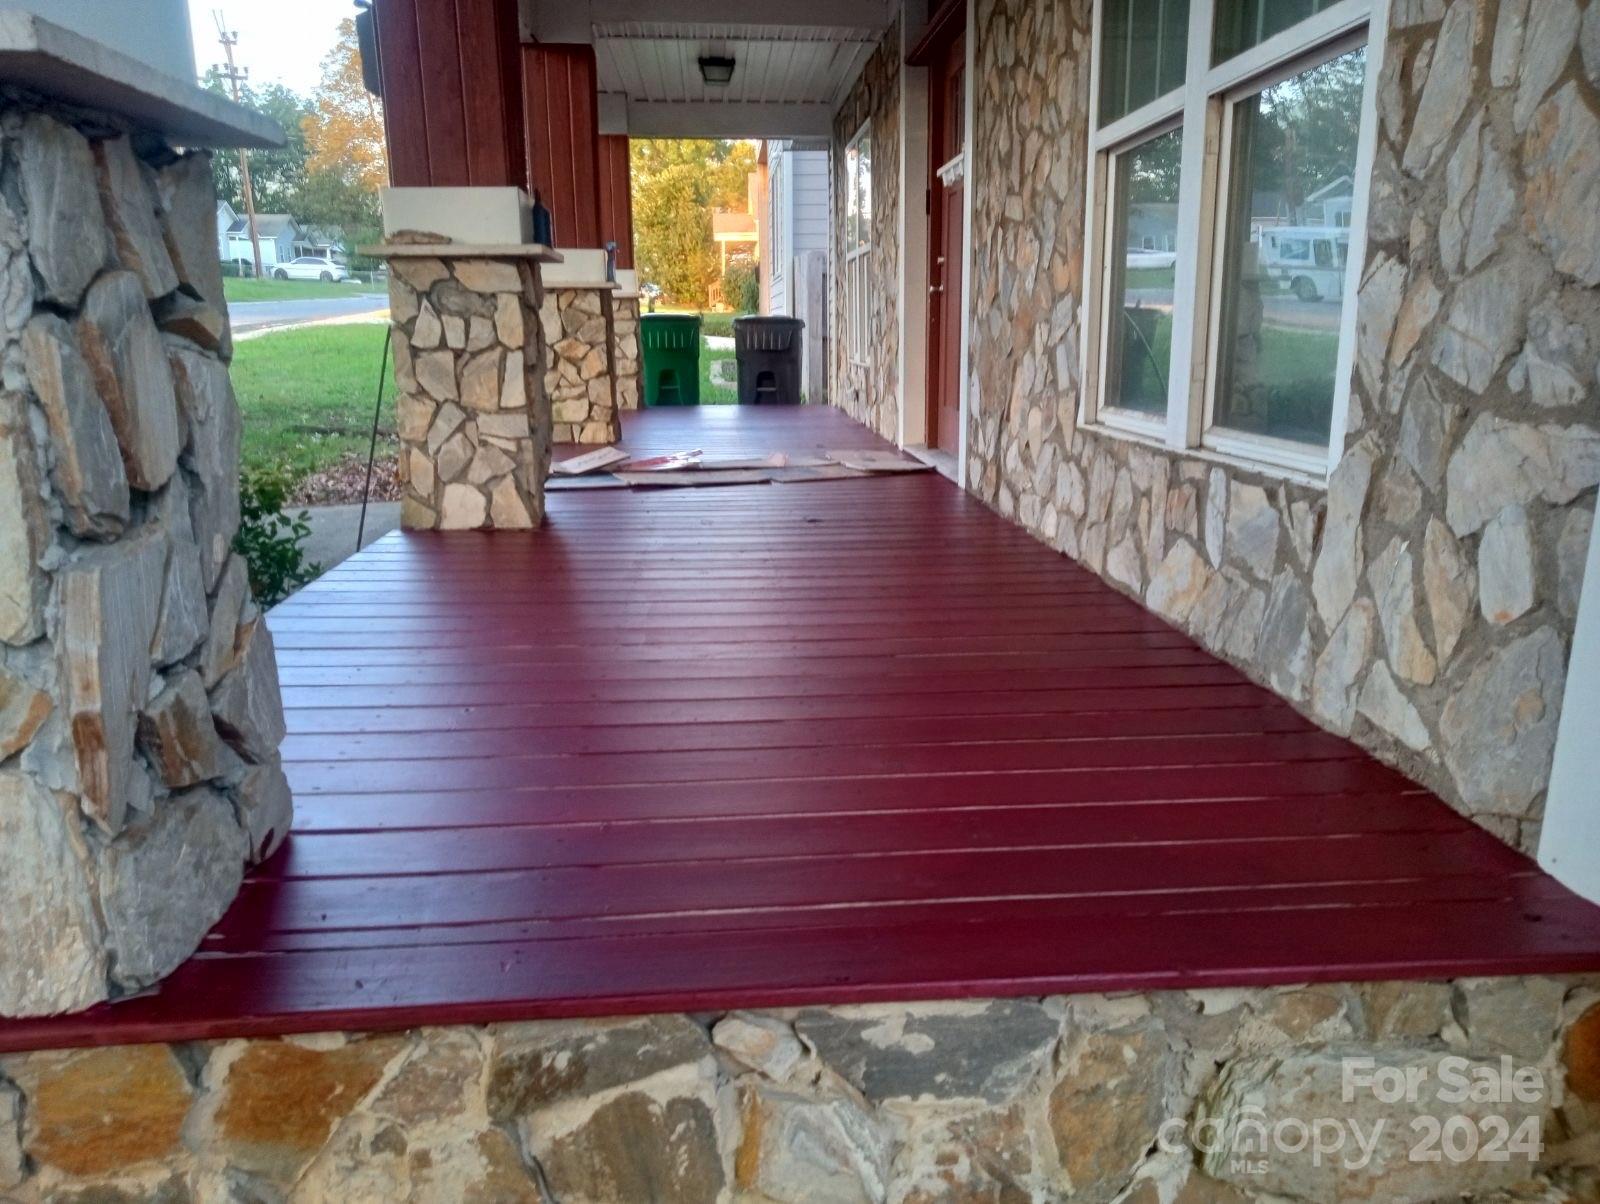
468,359
627,367
1423,602
139,709
580,345
1047,1100
870,393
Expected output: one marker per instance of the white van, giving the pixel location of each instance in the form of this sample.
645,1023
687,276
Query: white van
1311,260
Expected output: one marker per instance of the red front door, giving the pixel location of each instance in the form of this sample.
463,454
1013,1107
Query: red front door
946,136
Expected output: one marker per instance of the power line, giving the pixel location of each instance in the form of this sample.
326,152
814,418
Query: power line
235,76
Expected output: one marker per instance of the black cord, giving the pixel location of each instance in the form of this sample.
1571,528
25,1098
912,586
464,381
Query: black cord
372,448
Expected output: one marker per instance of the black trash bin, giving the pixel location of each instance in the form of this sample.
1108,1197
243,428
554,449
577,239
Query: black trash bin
768,351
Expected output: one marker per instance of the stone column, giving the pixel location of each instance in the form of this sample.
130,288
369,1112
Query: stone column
474,418
625,362
579,373
139,708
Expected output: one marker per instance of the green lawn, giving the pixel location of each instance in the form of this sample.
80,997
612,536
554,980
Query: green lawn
237,288
1290,385
306,395
1149,277
711,394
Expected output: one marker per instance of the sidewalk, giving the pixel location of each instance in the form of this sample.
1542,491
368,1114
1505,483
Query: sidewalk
333,530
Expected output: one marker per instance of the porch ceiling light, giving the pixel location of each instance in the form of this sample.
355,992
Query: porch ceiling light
716,70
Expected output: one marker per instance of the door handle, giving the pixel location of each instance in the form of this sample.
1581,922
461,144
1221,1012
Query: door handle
935,288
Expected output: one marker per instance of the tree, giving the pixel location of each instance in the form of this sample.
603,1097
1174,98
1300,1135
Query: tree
279,173
344,126
346,163
677,183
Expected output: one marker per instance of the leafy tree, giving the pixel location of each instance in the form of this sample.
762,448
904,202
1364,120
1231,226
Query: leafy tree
677,183
347,163
344,127
334,162
1304,129
277,174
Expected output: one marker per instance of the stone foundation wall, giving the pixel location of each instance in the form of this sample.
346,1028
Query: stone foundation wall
627,366
1424,601
468,360
870,392
580,375
1085,1098
139,709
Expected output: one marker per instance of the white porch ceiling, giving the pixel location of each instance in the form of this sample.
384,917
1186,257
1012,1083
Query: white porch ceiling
793,62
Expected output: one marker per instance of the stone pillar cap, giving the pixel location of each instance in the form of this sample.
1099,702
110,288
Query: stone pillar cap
41,55
537,252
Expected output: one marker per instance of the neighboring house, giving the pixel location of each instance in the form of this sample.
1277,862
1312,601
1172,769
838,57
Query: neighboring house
1331,204
795,267
1153,226
282,238
322,242
225,219
735,234
278,234
797,213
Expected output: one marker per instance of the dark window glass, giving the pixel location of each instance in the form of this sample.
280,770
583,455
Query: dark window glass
1242,24
1143,44
1291,165
1144,214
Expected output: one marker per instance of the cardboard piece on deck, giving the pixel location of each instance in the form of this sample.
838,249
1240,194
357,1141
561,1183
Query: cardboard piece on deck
671,462
788,475
595,461
873,460
583,483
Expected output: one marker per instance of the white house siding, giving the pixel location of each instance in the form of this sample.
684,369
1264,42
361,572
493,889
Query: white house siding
777,226
798,213
809,188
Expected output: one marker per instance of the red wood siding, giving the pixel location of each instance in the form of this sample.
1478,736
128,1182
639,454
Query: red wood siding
452,93
561,117
616,196
697,749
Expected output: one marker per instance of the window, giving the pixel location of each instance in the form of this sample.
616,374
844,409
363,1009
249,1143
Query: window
858,241
1139,279
1235,136
1278,307
1142,47
1241,24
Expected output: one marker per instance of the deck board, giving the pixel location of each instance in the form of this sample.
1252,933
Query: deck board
825,742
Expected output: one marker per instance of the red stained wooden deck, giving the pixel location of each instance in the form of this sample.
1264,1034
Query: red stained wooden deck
832,742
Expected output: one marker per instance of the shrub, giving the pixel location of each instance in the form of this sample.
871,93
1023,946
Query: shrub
717,324
741,286
270,540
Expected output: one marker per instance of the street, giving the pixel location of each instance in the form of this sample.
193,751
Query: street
1284,312
265,315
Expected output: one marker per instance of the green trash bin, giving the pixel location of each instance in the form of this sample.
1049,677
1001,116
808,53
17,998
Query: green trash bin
671,346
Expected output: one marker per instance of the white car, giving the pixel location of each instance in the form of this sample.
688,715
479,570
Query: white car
310,267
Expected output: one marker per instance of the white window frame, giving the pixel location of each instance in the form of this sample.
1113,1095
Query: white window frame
856,261
1201,109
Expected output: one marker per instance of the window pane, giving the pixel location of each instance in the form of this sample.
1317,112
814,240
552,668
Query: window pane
1142,49
1141,253
1242,24
852,196
864,197
1288,240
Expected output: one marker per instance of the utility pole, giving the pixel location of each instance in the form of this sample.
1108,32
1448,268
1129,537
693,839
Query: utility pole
234,76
